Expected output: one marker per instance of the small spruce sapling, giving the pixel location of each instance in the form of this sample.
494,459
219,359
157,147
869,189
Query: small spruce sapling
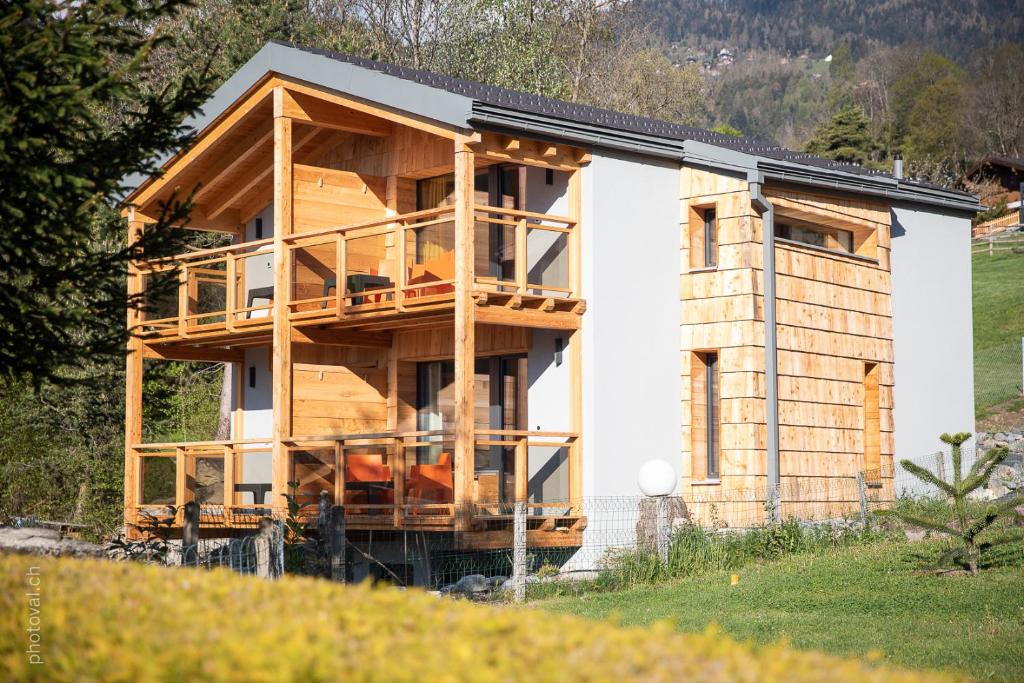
972,530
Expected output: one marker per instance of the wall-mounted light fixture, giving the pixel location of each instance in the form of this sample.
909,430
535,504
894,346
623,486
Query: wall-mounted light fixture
252,376
559,345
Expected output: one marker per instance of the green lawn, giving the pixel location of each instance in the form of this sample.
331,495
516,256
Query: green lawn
862,601
998,328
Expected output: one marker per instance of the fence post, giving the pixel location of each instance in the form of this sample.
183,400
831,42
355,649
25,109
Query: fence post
337,544
267,541
519,551
940,465
323,524
190,534
862,493
1022,338
662,526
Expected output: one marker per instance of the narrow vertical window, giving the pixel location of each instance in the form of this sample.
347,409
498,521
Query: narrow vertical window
705,416
711,389
872,425
710,239
703,224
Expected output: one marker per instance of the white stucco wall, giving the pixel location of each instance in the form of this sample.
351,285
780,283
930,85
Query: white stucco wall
631,340
258,418
932,321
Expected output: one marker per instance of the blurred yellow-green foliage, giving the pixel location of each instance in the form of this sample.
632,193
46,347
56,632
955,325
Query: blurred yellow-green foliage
104,621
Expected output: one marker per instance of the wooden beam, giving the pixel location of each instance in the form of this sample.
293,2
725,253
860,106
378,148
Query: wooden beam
248,184
210,355
307,108
239,155
204,145
401,118
316,335
465,322
281,361
133,382
528,152
575,205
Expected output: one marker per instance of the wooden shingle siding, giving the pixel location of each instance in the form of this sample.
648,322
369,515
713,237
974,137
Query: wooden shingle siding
834,321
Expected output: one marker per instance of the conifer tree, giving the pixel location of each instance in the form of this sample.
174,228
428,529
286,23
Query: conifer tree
972,531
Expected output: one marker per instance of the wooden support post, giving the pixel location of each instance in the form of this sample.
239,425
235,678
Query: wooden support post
230,292
180,477
323,527
281,362
266,546
400,267
521,256
134,366
575,206
183,301
229,480
398,469
521,469
190,534
465,320
340,278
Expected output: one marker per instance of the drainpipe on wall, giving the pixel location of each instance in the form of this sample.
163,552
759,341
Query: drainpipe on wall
771,351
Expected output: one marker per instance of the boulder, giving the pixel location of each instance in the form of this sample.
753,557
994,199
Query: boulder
42,541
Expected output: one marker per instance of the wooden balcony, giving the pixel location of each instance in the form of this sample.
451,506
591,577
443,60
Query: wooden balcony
394,272
386,482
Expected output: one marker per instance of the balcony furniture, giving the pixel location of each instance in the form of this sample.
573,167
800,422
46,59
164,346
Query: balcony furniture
259,497
431,483
434,270
266,293
364,282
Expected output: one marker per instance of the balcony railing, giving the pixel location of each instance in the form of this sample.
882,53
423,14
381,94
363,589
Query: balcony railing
394,264
388,480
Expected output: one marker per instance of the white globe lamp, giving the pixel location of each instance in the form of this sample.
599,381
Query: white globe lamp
656,478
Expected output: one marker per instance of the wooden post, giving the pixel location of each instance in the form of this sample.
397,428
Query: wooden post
229,481
398,470
465,320
190,534
521,469
133,381
230,292
281,362
338,544
183,301
521,256
340,282
575,202
519,551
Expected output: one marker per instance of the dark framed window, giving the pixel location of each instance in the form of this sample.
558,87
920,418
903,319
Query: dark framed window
710,238
712,413
815,236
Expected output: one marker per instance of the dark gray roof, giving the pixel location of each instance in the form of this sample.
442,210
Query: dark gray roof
570,111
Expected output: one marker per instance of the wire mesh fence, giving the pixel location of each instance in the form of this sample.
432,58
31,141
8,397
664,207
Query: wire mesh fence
998,374
508,550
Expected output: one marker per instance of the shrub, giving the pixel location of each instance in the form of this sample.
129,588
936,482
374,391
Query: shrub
104,621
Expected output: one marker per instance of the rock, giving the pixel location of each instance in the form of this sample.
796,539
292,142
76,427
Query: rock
471,585
48,542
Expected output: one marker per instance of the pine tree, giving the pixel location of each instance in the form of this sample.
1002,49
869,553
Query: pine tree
844,137
973,531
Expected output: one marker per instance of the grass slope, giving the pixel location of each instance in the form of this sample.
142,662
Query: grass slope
998,328
862,602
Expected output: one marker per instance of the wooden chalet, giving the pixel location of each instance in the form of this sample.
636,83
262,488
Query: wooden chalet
441,298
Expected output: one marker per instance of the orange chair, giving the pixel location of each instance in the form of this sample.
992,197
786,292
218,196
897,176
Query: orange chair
434,270
431,483
367,469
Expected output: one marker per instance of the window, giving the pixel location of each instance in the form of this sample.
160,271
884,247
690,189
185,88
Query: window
815,236
872,425
705,416
703,237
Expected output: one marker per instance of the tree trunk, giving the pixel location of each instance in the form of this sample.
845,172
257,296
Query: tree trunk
224,413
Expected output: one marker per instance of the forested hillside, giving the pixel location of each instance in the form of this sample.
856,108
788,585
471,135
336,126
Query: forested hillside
791,27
